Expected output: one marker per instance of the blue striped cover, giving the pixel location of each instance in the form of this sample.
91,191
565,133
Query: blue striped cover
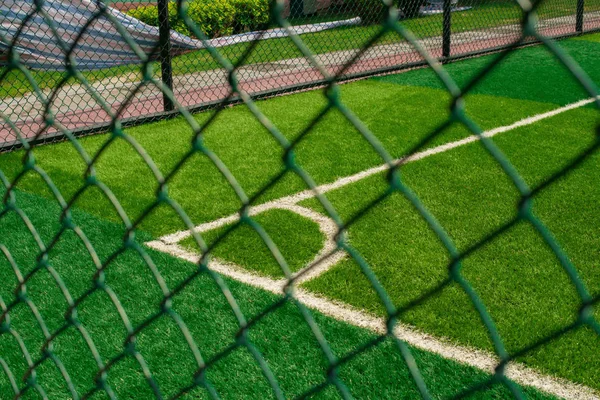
101,46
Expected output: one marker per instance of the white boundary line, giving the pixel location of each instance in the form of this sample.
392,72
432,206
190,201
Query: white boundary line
479,359
327,258
309,193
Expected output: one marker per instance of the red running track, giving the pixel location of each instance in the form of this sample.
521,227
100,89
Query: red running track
189,96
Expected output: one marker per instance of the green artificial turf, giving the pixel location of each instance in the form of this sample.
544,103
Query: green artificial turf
518,278
519,281
536,74
332,150
282,337
297,238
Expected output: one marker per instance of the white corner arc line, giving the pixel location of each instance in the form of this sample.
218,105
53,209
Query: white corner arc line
344,181
476,358
327,257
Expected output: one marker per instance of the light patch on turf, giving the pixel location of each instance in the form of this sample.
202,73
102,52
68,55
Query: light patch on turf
594,37
330,256
287,201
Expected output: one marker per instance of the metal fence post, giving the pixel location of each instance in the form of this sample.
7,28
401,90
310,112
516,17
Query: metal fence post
447,25
579,20
165,51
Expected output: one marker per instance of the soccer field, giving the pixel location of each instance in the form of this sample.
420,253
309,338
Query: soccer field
441,271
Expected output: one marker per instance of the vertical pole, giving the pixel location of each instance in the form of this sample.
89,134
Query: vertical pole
447,25
579,19
165,51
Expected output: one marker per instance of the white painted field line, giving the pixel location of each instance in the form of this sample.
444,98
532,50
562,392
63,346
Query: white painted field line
473,357
347,180
464,355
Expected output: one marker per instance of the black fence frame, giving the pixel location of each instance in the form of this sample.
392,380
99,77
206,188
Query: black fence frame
166,62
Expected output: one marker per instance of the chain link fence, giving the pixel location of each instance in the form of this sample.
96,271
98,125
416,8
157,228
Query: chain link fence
333,31
285,55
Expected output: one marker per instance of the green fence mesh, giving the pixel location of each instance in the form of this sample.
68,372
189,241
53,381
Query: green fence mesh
28,383
334,31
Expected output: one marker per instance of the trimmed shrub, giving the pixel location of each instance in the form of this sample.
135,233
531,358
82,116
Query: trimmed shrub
213,17
251,15
371,11
149,15
146,14
374,11
410,8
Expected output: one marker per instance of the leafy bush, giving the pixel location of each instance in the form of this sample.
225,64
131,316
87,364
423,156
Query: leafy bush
374,11
213,17
371,11
149,15
410,8
251,15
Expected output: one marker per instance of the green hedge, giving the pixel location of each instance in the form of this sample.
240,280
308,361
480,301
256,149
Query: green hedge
251,15
371,11
374,11
213,17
